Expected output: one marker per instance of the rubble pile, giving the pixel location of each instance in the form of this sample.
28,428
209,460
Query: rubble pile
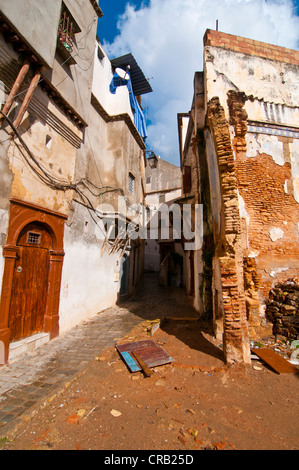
283,308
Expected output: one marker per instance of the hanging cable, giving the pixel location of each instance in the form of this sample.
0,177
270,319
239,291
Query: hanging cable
63,185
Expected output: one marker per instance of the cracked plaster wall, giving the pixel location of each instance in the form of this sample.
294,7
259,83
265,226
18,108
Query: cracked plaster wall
258,91
271,89
247,85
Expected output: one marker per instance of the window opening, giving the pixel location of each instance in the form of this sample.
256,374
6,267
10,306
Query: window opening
131,183
33,238
67,30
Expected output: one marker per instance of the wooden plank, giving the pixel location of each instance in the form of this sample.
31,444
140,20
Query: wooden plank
131,363
142,364
275,361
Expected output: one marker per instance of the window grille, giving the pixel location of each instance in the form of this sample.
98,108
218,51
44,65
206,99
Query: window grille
33,238
131,183
66,31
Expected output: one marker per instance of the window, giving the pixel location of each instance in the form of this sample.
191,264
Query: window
33,238
66,32
131,183
148,180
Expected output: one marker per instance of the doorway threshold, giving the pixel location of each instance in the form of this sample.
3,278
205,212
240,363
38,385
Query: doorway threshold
27,345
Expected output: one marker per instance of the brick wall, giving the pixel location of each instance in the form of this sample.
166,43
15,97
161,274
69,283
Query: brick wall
236,345
250,46
261,183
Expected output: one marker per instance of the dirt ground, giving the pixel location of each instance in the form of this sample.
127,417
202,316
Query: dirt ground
193,403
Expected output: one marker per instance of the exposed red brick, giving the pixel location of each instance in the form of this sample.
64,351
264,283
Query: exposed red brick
250,46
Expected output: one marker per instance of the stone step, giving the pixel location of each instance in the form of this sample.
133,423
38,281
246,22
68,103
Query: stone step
26,345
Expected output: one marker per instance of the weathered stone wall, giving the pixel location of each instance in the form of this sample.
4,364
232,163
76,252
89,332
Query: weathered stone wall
283,308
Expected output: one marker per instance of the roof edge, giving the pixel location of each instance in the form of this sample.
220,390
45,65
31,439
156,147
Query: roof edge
251,47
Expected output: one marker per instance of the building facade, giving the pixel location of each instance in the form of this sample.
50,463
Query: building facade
67,148
163,187
241,142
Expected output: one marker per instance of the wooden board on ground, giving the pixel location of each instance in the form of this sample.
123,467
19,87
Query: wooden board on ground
148,351
275,361
147,371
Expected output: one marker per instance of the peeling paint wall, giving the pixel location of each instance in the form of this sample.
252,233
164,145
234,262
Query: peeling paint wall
259,94
247,108
89,281
92,278
58,159
101,156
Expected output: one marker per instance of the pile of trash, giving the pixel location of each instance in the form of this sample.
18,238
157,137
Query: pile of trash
282,309
286,348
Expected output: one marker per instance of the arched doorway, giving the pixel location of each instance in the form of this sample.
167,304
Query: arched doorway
33,256
30,282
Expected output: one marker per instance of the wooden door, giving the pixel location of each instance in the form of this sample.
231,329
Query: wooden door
30,283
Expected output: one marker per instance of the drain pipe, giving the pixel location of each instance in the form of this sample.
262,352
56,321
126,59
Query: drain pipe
14,91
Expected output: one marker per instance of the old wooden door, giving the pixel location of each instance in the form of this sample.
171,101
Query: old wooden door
30,282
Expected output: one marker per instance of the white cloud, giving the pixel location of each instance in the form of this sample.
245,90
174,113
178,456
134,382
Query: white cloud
166,39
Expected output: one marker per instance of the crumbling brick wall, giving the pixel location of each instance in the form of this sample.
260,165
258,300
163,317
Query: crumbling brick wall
248,84
251,46
236,337
268,194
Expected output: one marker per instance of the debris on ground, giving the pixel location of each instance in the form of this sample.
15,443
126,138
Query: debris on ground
198,403
275,361
143,355
286,348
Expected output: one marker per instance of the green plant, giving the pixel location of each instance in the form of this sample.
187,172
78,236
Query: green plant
3,440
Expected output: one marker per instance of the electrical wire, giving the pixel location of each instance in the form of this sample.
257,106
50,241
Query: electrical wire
60,185
63,185
55,183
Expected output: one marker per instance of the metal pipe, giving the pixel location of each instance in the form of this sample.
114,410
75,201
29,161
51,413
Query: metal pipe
16,86
34,82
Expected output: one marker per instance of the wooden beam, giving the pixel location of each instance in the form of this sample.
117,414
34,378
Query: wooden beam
14,91
27,99
147,371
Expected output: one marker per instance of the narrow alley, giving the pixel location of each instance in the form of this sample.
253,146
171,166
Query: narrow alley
33,376
77,393
149,249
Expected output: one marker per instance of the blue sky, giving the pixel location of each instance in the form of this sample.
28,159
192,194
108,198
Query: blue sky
165,37
107,27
